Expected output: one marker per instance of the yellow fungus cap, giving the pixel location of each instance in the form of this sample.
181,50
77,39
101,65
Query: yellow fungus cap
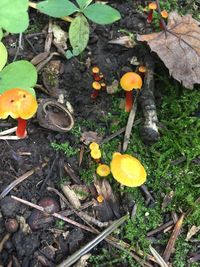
96,85
127,170
103,170
17,103
93,145
130,81
95,153
100,198
164,14
142,69
153,5
95,70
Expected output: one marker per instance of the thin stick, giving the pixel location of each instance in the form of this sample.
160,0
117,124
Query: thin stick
160,228
171,243
9,137
3,241
11,130
55,214
18,181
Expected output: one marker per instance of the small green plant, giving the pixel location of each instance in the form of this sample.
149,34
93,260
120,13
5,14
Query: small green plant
65,148
79,27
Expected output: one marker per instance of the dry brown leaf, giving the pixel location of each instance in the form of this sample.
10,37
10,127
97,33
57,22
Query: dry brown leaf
179,48
193,230
89,137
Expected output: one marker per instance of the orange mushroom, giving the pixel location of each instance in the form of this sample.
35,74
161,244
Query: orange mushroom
96,72
128,82
18,104
96,87
95,153
152,6
127,170
164,14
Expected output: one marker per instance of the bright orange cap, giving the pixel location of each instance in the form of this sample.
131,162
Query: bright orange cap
95,70
93,145
96,85
103,170
100,198
164,14
95,153
153,5
17,103
127,170
130,81
142,69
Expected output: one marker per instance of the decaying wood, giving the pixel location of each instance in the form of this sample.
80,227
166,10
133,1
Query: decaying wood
149,130
71,173
171,243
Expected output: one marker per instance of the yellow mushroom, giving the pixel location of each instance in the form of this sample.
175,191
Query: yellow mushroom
127,170
95,153
103,170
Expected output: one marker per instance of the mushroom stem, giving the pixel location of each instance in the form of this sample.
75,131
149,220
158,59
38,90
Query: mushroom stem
94,94
129,101
150,16
21,128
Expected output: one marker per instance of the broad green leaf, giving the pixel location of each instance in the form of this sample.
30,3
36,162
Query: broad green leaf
83,3
57,8
14,15
79,34
1,34
101,14
3,55
20,74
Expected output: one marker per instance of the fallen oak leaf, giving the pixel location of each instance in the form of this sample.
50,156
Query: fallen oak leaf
179,48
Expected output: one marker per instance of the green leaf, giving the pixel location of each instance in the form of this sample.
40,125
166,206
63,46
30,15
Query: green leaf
3,55
57,8
79,34
1,34
69,54
14,15
83,3
101,14
20,74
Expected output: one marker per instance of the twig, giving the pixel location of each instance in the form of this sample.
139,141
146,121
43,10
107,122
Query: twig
19,180
107,139
147,194
129,125
43,63
55,214
171,243
160,228
3,241
9,137
18,47
11,130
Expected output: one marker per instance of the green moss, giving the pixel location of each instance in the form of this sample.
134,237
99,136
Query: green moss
68,150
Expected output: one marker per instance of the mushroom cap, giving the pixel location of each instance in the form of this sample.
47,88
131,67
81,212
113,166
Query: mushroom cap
95,153
127,170
94,145
17,103
130,81
100,198
95,70
153,5
96,85
103,170
142,69
164,14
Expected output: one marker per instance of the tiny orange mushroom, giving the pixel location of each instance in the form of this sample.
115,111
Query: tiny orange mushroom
128,82
18,104
127,170
164,14
152,6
